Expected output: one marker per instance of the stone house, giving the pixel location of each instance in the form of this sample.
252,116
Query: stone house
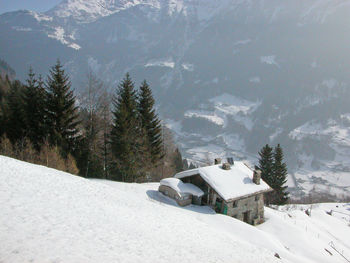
231,189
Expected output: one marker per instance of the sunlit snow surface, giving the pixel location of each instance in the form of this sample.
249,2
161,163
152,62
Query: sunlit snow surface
52,216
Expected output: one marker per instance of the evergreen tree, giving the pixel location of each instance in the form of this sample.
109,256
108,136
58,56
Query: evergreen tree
34,110
14,114
266,163
266,168
280,195
4,89
125,134
150,123
62,116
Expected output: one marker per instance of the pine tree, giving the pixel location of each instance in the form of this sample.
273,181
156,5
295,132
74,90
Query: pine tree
34,110
280,194
266,163
125,134
150,123
266,168
14,114
62,116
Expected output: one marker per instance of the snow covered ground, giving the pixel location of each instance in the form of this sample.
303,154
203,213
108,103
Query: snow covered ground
52,216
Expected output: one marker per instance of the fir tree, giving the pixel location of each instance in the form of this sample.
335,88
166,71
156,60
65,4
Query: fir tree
266,163
62,116
34,110
125,134
266,168
14,114
150,123
280,195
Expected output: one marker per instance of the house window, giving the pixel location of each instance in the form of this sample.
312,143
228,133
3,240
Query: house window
234,204
257,197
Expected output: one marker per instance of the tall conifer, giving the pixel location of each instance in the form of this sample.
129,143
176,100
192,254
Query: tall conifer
62,116
125,134
34,110
266,168
14,114
150,123
280,177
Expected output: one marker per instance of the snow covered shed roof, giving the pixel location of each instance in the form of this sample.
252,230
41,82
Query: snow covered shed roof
182,188
229,184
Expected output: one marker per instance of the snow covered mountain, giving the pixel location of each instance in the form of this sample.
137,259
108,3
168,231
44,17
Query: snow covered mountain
52,216
229,75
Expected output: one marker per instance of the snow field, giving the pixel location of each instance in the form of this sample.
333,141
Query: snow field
52,216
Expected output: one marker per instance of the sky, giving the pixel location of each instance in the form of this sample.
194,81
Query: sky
34,5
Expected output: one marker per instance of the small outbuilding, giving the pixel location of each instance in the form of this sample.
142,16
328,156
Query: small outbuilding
183,193
231,189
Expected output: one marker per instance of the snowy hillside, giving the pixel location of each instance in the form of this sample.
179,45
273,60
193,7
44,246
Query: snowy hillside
52,216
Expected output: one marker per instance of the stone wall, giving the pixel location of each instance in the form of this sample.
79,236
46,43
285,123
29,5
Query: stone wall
253,206
168,191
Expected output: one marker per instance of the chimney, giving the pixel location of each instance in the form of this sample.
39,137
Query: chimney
217,160
226,166
230,160
256,176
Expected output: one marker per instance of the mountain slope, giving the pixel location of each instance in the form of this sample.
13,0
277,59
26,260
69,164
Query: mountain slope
229,75
48,215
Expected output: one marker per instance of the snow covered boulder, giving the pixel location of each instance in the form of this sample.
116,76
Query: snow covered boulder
183,193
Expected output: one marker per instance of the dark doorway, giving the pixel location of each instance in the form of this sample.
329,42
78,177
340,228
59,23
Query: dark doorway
246,216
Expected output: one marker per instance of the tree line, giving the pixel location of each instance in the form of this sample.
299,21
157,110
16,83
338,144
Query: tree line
118,137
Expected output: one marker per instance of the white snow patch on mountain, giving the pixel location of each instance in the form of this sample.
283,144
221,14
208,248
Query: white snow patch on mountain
321,10
59,34
40,16
307,129
226,105
233,141
255,80
23,29
330,83
74,46
161,63
232,105
187,66
205,115
269,60
242,42
87,10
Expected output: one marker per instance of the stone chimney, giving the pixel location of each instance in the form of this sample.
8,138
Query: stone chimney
226,166
217,160
256,176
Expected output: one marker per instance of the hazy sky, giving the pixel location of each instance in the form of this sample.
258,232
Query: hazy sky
35,5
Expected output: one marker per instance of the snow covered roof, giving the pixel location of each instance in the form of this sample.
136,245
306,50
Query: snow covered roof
229,184
182,188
